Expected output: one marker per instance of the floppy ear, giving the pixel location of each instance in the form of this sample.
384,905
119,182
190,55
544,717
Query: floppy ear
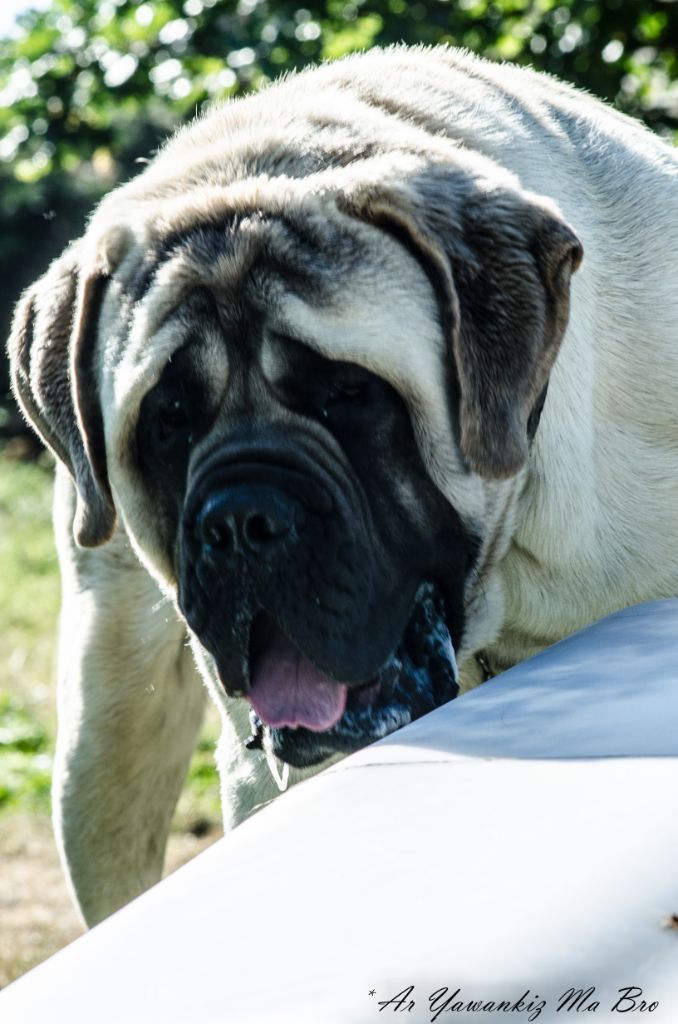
500,260
51,349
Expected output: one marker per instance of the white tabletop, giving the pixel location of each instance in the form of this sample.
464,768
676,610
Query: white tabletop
523,839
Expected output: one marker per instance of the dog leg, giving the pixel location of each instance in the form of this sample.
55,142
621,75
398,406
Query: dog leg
130,705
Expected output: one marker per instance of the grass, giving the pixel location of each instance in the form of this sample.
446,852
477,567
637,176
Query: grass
36,916
29,605
25,759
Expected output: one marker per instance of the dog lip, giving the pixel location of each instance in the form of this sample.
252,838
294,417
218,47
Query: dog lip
263,627
287,689
262,630
353,657
381,687
420,676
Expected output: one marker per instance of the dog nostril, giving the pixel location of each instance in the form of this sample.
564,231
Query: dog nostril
218,536
260,530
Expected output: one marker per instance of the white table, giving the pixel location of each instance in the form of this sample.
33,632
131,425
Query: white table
522,839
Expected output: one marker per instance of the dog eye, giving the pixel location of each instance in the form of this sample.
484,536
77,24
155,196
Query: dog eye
345,393
172,416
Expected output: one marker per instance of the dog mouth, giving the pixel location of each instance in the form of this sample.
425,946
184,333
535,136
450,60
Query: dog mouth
301,716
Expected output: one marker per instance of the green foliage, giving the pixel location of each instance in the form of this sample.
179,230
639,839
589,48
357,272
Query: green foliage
87,87
25,758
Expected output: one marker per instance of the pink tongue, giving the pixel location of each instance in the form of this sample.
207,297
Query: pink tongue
288,690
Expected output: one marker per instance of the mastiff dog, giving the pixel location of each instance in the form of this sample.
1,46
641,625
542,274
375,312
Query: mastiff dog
366,376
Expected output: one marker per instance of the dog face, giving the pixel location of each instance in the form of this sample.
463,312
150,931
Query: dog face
308,399
318,566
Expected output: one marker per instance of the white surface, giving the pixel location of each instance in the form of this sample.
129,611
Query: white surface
524,837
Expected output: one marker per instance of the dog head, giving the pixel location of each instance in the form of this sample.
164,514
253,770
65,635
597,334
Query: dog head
306,386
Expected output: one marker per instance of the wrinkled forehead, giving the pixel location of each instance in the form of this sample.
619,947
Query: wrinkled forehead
348,292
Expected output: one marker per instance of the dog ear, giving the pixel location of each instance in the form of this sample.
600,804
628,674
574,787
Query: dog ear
51,349
500,260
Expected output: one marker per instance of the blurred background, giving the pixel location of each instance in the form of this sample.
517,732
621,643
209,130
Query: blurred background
88,89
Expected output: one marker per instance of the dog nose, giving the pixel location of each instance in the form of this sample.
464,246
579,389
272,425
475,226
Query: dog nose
245,519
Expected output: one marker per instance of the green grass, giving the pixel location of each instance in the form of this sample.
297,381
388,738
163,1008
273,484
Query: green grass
29,582
25,759
199,808
29,608
29,604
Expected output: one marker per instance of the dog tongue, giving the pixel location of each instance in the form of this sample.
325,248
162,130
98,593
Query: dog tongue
288,690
